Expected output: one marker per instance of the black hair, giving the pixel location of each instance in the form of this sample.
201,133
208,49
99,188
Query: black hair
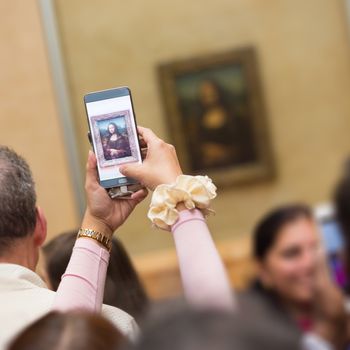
268,229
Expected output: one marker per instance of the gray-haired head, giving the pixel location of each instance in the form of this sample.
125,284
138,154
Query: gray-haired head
17,199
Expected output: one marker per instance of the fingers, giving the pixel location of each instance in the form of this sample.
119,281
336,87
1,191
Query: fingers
143,146
147,134
322,269
144,153
322,277
131,170
142,142
91,171
140,195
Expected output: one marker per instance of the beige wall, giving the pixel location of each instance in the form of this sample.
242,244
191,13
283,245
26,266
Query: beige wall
29,121
305,63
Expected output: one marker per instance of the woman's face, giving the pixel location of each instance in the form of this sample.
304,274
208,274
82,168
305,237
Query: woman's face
111,129
290,264
208,93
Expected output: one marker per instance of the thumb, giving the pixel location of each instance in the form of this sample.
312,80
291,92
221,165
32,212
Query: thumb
132,170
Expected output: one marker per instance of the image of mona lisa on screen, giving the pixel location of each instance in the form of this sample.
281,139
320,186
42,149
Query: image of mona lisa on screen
115,140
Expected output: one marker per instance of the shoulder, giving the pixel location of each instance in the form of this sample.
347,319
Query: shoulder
122,320
20,308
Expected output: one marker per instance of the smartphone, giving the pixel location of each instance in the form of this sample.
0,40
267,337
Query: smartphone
334,244
114,137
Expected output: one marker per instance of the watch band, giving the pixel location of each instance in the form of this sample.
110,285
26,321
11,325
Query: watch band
97,236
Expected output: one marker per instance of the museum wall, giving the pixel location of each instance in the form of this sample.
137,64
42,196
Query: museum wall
29,120
304,56
304,59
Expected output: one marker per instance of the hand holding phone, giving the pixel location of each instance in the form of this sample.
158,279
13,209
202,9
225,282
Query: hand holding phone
161,165
103,214
113,130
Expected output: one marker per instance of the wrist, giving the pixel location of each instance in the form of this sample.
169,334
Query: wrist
170,178
187,192
93,223
97,237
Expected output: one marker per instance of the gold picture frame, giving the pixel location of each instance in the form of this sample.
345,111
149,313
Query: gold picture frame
216,116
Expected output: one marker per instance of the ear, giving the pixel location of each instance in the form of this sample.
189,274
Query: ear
40,231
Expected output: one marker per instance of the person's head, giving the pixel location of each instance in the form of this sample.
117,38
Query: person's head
69,331
188,329
210,93
113,129
123,288
22,223
285,244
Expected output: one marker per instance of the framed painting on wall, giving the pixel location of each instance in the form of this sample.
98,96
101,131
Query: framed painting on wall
216,116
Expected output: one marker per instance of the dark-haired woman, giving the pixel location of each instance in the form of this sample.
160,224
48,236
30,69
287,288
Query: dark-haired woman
117,145
293,280
219,129
285,243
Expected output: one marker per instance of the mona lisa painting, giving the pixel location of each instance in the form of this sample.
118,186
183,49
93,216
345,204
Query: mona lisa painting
216,116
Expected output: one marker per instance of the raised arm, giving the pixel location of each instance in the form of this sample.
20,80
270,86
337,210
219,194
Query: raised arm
82,285
202,271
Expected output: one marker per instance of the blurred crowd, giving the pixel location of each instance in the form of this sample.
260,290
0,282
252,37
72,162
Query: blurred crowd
90,296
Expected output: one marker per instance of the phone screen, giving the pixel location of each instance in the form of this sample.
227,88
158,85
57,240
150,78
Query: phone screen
113,133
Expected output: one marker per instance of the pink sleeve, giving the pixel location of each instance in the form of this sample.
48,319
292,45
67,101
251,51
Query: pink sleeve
202,271
82,285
